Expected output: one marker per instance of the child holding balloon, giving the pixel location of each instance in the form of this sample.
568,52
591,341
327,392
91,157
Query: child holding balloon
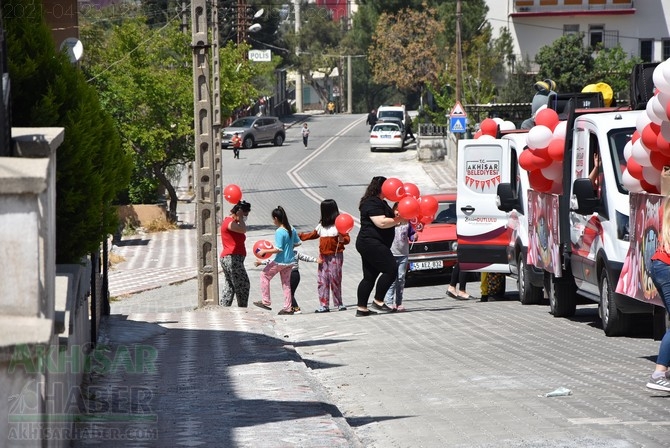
404,233
332,239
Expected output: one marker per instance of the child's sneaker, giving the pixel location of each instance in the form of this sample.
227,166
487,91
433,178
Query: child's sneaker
296,310
322,309
341,308
400,309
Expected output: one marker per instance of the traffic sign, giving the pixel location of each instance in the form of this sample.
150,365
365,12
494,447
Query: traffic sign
457,124
458,110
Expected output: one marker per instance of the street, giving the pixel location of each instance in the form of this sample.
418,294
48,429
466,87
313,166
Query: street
446,373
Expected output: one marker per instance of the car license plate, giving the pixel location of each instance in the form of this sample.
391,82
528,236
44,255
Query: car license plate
425,265
386,136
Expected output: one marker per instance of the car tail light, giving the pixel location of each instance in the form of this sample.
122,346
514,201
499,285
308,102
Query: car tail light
373,136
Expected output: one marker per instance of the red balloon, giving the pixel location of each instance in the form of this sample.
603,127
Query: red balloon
428,206
539,182
547,117
635,136
411,190
232,193
489,127
344,223
478,134
635,169
530,161
262,244
662,146
649,188
427,219
393,189
659,159
556,149
408,207
649,137
543,155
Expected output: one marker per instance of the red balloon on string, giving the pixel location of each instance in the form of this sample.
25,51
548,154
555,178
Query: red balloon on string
344,223
408,207
539,182
428,206
393,189
411,190
232,193
262,244
489,127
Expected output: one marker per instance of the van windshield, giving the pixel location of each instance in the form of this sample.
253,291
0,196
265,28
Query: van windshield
618,138
391,114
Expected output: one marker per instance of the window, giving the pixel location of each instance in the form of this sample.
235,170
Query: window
596,33
570,29
646,50
666,49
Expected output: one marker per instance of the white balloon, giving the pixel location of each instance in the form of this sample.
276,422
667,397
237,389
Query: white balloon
627,150
663,98
498,120
651,111
485,137
631,184
659,78
553,171
539,137
507,126
666,71
640,153
561,129
651,175
642,122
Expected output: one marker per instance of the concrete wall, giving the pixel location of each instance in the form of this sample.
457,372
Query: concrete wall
44,330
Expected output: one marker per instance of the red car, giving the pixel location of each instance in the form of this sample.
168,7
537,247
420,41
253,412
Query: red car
433,253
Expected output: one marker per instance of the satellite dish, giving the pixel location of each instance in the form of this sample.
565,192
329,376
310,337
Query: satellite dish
74,48
255,27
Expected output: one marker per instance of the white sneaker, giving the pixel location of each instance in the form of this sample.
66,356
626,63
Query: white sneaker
662,383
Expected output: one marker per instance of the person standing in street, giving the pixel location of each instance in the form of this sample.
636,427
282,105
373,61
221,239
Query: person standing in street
305,134
372,119
286,238
660,275
404,233
331,251
374,244
236,141
233,236
460,277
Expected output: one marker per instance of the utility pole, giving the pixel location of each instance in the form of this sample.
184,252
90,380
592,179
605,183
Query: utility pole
298,79
241,21
459,62
350,108
216,113
205,181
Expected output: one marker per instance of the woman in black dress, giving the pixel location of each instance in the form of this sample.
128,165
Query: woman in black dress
374,244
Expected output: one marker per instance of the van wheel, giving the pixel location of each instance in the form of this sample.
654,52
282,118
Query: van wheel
562,294
248,143
278,140
615,323
528,294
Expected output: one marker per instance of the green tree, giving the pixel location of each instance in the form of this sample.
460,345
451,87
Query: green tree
567,61
91,167
612,66
404,51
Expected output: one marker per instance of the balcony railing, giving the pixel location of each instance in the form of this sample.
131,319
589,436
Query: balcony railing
564,6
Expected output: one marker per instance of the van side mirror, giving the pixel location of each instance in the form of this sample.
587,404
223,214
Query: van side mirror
507,199
587,201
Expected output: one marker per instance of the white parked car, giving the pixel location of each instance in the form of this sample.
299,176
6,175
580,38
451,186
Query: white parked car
386,136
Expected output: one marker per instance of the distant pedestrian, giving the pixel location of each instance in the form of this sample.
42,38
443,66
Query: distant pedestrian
492,286
374,244
660,275
408,128
404,234
305,134
236,141
331,248
295,275
372,119
233,236
461,278
331,107
286,238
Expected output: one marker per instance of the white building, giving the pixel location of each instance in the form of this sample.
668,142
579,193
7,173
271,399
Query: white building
640,27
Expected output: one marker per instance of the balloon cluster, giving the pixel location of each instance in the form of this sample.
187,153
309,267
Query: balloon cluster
648,151
543,157
488,128
411,205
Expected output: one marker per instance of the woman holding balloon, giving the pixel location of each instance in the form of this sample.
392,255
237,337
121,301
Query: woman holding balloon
233,236
332,239
374,241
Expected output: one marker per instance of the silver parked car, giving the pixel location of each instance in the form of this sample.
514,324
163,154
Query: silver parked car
255,130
